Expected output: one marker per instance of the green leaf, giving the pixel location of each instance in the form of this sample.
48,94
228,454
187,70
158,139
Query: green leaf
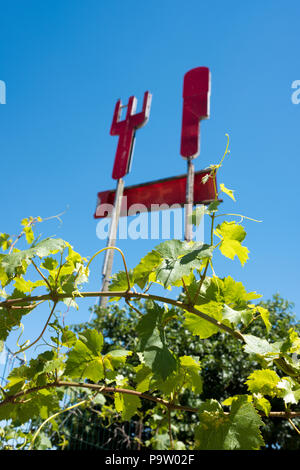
160,360
126,404
289,390
262,404
262,347
11,262
213,207
160,442
49,263
265,314
10,318
28,234
119,282
187,376
237,431
232,235
143,377
179,259
234,317
263,381
191,368
231,230
197,215
117,357
201,327
43,402
227,191
68,337
43,442
224,291
152,342
28,286
5,241
146,267
84,359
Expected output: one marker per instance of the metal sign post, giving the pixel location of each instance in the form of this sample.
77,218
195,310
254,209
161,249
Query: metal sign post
189,199
108,260
126,131
196,93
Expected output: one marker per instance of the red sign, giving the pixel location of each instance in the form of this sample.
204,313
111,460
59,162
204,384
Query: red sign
166,191
126,131
196,93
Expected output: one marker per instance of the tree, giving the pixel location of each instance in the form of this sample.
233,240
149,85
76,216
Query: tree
154,370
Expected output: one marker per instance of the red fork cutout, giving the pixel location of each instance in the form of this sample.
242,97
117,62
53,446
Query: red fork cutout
126,131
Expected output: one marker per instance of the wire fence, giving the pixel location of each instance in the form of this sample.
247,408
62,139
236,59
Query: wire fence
85,431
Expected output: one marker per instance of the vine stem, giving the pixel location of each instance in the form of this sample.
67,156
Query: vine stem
108,390
170,429
41,334
187,292
203,276
127,294
133,307
42,275
294,426
123,257
240,215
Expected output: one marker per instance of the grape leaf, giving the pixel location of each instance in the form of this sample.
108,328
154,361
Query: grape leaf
146,266
232,235
12,317
199,326
179,258
197,215
126,404
227,191
119,282
263,381
237,431
289,390
224,291
265,314
143,377
152,342
11,262
84,359
38,404
262,404
5,241
262,347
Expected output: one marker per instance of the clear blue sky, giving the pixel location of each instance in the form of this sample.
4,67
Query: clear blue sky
65,63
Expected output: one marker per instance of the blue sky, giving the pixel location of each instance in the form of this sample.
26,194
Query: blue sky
65,64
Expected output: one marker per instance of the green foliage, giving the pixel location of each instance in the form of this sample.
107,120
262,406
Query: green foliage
158,355
239,430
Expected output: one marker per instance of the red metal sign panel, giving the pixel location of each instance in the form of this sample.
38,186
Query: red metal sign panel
126,131
166,191
196,94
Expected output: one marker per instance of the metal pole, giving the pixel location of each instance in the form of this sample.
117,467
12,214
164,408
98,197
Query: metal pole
109,254
189,199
